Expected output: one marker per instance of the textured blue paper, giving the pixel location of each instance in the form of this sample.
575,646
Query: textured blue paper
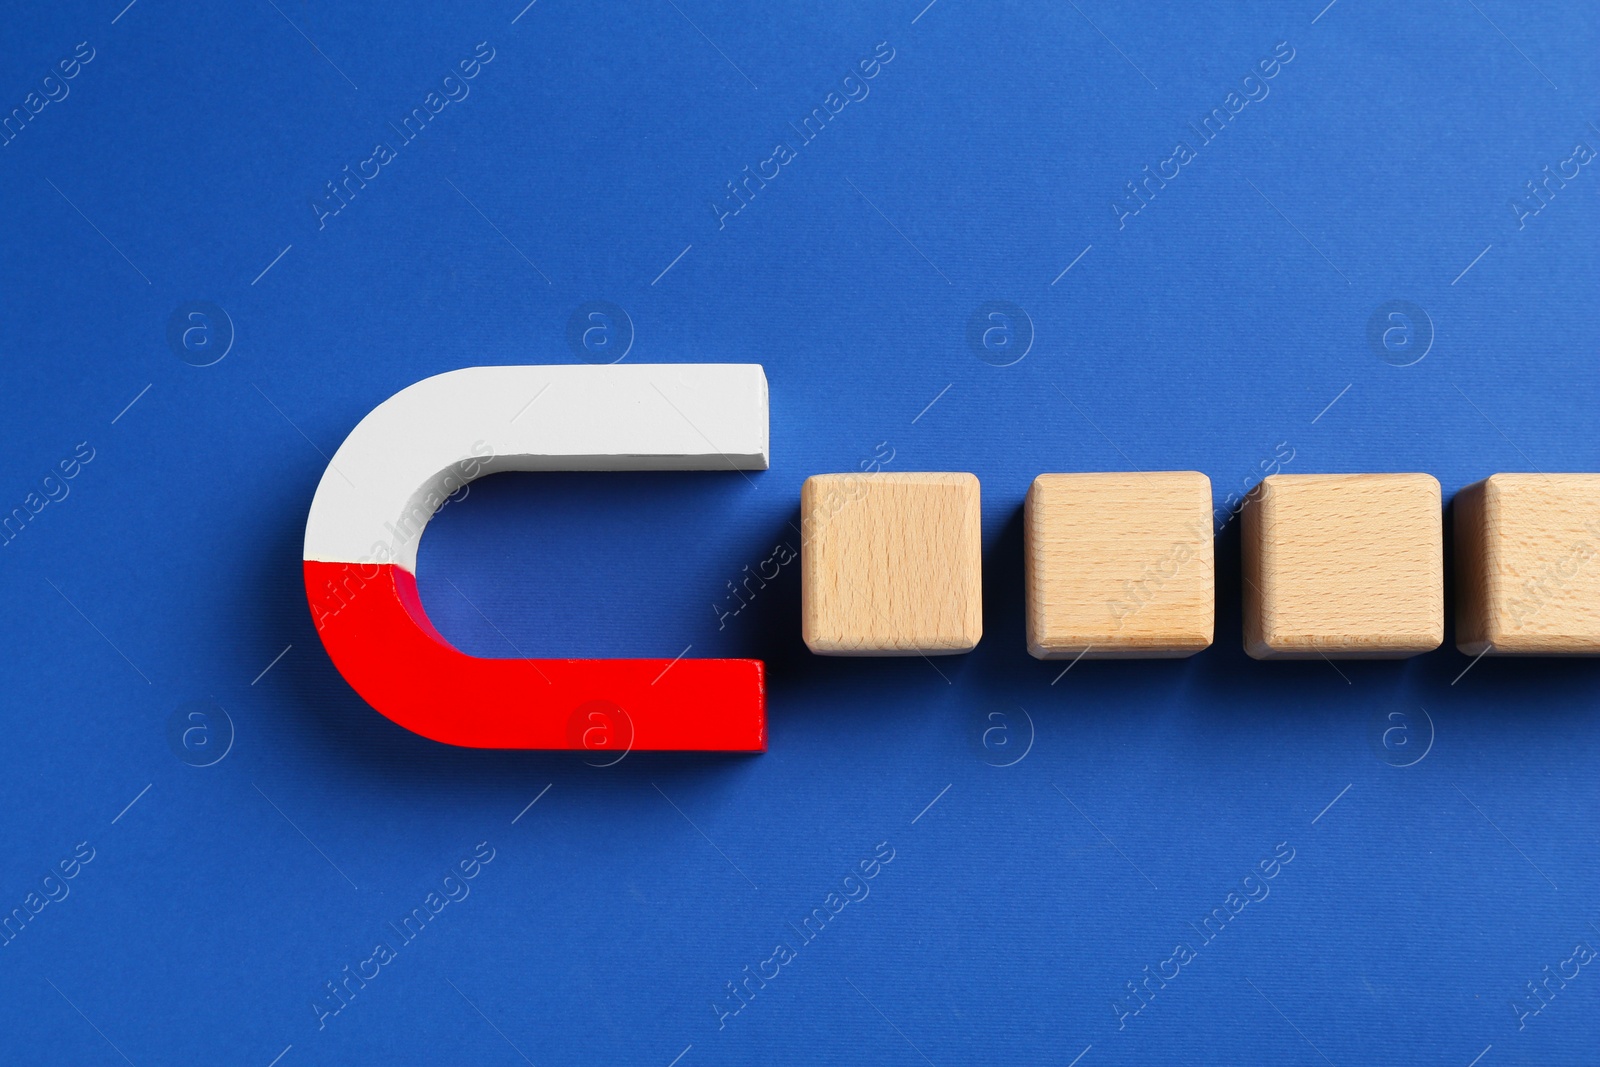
1221,328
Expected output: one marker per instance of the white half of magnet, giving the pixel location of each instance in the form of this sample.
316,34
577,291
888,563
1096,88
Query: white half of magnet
428,440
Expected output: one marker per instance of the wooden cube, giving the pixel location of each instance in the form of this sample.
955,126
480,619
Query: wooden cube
1119,566
891,564
1343,566
1527,582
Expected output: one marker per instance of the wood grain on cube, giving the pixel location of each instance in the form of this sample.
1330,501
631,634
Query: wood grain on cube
891,564
1343,566
1527,580
1119,566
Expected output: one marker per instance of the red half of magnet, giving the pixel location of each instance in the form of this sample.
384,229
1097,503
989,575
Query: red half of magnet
371,621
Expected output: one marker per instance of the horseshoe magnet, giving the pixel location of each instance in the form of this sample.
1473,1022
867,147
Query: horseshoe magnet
429,440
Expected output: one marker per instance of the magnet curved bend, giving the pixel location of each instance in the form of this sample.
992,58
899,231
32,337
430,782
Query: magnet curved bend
424,444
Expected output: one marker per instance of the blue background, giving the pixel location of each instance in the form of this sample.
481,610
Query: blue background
1211,331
